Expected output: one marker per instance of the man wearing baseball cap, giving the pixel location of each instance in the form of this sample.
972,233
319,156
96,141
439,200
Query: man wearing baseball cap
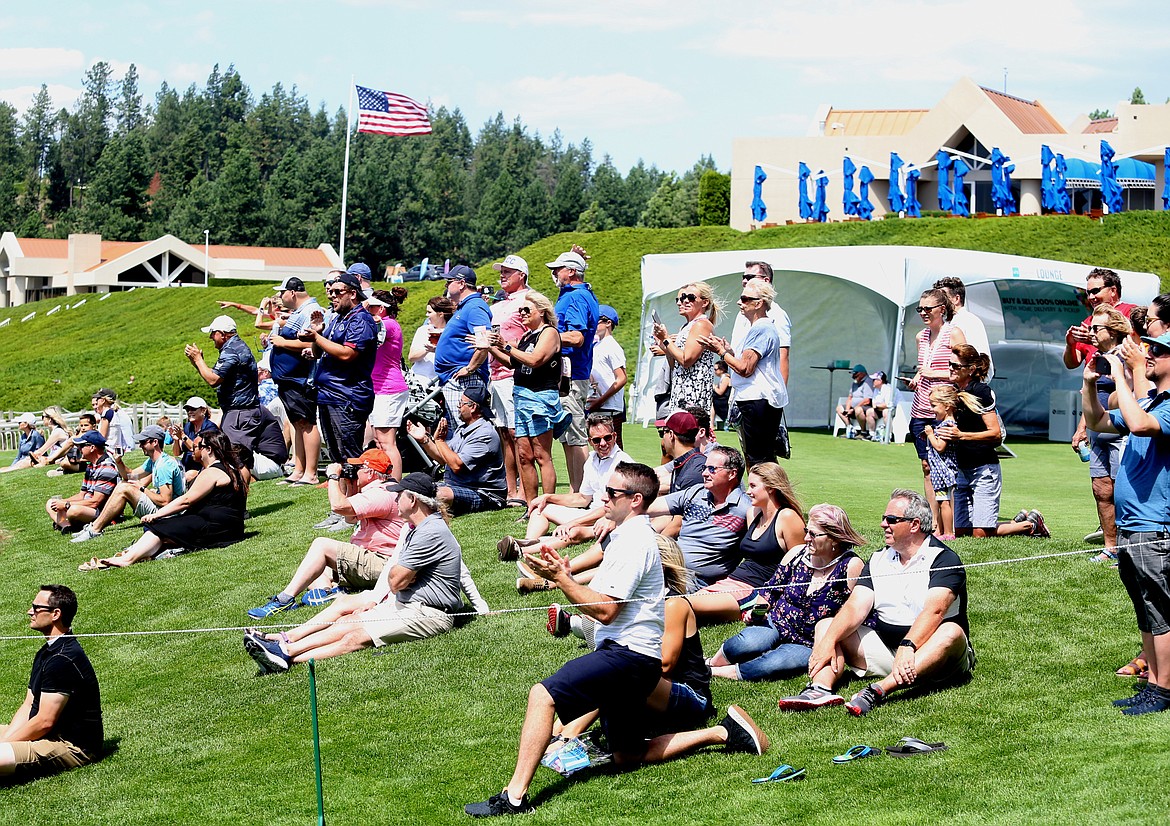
101,477
146,489
291,372
513,272
458,363
609,372
234,379
364,275
577,314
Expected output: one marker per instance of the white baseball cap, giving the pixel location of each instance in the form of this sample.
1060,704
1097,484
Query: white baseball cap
512,262
221,324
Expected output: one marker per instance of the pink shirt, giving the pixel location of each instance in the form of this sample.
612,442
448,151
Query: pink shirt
387,373
380,523
511,329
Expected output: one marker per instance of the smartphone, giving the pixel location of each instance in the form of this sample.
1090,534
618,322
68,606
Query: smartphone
906,379
1101,365
657,318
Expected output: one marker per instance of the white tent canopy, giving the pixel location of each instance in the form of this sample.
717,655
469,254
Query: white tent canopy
854,304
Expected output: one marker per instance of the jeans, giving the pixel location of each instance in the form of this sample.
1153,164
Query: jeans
343,429
760,655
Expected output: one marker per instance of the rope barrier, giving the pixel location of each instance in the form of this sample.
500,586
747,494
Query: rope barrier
535,608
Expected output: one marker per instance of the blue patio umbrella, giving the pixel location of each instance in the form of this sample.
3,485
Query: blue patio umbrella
898,200
864,205
1166,179
1110,189
849,201
1060,184
1047,183
997,197
821,207
759,208
945,199
805,202
961,169
1010,208
913,208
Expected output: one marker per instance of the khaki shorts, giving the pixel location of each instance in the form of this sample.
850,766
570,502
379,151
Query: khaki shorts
357,567
45,756
392,621
879,660
574,404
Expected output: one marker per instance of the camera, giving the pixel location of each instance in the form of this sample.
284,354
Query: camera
349,472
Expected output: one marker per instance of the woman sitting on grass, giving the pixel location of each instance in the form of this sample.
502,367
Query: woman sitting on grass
811,584
209,515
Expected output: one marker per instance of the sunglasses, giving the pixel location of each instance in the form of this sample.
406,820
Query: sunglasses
662,431
338,292
1095,327
926,310
1095,290
524,311
600,440
890,519
1157,351
614,493
713,468
686,298
36,609
744,299
810,532
954,365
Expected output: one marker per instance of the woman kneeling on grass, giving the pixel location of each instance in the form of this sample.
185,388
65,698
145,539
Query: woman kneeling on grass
209,515
811,584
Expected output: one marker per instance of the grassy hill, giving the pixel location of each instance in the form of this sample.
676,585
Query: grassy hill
63,358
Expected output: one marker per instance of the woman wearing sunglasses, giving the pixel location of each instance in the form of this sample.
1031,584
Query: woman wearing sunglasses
934,354
536,359
692,366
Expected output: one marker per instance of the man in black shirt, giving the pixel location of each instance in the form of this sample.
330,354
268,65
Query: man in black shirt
59,725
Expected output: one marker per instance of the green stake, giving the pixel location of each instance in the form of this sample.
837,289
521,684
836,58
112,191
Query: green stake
316,741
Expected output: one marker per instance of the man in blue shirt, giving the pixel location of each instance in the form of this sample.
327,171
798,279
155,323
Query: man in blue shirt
577,315
291,371
346,349
459,364
1141,495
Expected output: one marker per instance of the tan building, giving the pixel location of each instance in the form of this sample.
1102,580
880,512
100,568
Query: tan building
970,120
35,268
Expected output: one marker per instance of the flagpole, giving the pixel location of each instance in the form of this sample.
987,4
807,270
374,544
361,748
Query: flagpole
345,176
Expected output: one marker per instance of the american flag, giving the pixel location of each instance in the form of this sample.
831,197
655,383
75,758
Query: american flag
389,113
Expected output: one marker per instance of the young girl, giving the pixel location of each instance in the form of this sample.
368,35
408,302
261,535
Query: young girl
941,456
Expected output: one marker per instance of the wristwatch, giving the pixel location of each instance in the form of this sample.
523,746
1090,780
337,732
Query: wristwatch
908,644
335,477
507,348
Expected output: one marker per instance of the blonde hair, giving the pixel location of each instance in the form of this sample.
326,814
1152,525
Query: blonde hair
778,484
949,397
674,566
1117,323
704,292
540,302
57,416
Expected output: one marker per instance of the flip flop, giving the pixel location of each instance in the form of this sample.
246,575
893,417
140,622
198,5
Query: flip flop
909,746
94,564
781,774
515,503
856,753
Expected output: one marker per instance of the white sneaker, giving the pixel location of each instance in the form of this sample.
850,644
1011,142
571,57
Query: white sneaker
328,522
85,534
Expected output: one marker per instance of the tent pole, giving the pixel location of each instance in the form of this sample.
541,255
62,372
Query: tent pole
898,332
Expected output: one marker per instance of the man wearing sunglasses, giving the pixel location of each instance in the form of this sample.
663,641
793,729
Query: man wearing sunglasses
1142,498
916,589
59,725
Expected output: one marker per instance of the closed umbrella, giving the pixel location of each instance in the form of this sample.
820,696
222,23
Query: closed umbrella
1047,183
961,169
1010,207
821,207
898,200
913,208
848,168
997,198
759,208
864,206
1060,184
805,202
1166,180
1110,189
945,198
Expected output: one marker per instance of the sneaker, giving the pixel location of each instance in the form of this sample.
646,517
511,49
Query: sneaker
267,654
273,606
1022,516
1136,699
508,549
328,522
743,735
813,696
1155,701
1038,527
1097,537
558,621
499,804
864,701
524,570
320,596
85,534
528,585
341,525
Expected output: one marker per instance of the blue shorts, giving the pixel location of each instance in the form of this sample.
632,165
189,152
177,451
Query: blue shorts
1105,451
918,431
976,496
686,710
536,410
470,500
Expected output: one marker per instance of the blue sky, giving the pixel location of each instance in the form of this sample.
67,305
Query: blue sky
663,81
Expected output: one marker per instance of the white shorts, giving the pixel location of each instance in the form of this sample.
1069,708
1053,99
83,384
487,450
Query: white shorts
503,405
879,660
388,410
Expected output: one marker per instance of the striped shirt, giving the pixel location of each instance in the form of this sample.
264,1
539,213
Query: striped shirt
101,477
931,356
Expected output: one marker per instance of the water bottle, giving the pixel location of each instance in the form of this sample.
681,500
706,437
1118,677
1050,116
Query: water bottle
1083,451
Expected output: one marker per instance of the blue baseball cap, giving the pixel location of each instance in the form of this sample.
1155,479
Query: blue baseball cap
90,437
606,311
462,272
360,270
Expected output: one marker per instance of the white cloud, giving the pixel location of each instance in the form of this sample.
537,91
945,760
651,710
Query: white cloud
40,62
21,96
608,15
593,101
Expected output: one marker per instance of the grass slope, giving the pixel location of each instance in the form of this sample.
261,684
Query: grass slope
410,735
61,359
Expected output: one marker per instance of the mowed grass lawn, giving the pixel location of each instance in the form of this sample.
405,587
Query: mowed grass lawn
410,734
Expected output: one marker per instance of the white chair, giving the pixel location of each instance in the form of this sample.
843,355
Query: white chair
900,423
837,423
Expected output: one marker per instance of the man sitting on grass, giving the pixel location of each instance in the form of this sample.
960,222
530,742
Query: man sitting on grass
147,488
413,599
916,588
627,598
101,476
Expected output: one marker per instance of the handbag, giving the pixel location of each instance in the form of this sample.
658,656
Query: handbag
783,444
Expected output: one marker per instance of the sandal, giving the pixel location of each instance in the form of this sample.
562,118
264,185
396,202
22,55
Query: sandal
94,564
1105,556
856,753
781,774
515,503
909,746
1137,667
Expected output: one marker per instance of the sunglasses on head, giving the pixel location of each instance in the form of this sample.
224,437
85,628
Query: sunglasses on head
686,298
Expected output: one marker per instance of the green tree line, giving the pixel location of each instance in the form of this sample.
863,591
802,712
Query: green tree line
268,171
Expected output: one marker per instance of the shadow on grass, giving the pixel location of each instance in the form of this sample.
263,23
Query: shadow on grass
271,507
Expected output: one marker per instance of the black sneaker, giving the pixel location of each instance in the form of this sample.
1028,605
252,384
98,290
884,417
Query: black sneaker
1155,701
499,804
1136,699
864,700
743,735
267,654
558,621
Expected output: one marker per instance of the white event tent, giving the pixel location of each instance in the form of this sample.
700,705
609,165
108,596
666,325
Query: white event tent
856,305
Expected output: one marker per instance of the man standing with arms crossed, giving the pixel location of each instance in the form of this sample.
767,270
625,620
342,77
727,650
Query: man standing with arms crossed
458,362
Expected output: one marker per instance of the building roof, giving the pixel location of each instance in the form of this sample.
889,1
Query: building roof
1101,126
271,256
1029,116
855,122
59,248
